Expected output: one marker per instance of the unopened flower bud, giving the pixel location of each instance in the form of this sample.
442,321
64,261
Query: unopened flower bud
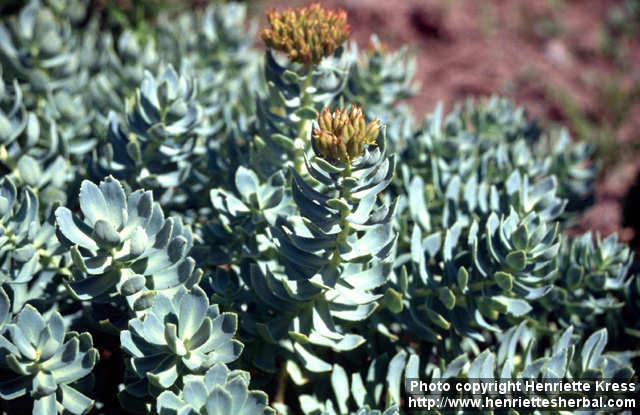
343,134
308,34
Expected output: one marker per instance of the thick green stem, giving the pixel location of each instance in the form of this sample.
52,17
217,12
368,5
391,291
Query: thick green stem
346,173
302,138
345,228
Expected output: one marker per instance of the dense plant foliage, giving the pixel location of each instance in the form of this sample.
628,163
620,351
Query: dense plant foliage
251,231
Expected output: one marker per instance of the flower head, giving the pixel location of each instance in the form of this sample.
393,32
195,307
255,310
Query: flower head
342,135
306,34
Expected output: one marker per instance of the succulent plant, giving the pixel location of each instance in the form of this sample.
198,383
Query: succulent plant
561,361
601,266
381,77
244,216
506,264
46,361
377,385
71,117
125,61
294,93
569,162
279,212
30,255
289,106
152,147
522,248
40,49
124,247
341,234
29,151
219,391
593,275
19,223
13,115
496,138
178,336
218,37
163,107
517,355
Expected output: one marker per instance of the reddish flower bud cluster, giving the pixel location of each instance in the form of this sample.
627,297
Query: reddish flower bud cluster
307,34
343,134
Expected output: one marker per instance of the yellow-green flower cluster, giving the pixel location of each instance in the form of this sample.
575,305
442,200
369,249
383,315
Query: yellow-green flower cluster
308,34
343,134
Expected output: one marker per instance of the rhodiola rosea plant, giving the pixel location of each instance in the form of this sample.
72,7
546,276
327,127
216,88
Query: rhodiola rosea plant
220,229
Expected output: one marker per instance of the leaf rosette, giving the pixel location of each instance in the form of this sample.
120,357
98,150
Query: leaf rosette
40,48
46,361
124,247
178,336
219,391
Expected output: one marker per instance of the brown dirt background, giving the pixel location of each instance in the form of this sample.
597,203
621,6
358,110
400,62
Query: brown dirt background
572,63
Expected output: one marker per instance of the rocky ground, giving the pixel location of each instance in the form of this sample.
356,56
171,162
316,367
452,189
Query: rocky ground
573,63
